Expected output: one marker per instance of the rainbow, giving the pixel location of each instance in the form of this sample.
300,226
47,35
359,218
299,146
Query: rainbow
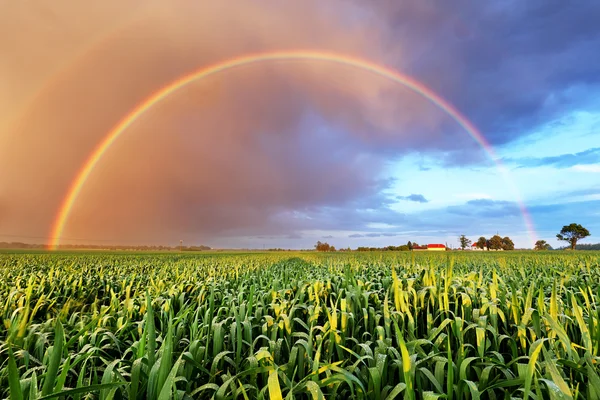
158,96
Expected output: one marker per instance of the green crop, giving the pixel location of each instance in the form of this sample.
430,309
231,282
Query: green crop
300,325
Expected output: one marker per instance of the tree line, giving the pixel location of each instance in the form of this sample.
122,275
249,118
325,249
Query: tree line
320,246
571,234
496,242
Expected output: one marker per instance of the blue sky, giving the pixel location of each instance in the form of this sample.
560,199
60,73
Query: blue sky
557,165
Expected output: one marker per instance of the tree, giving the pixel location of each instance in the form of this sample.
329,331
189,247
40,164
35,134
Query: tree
324,247
410,245
542,245
572,233
464,242
482,242
495,243
507,243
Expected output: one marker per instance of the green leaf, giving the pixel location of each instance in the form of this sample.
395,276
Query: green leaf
536,348
473,389
165,392
14,383
55,358
82,390
399,388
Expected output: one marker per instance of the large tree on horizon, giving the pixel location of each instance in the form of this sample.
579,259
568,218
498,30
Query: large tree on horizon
324,246
482,242
572,233
464,242
495,242
507,243
542,245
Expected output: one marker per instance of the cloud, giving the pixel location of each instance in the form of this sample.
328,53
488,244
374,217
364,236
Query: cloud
518,74
593,168
579,160
473,196
418,198
213,160
486,208
356,235
575,194
327,237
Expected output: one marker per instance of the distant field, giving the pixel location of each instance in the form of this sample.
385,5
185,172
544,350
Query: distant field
404,325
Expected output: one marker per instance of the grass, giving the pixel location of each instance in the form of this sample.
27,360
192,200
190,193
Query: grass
300,325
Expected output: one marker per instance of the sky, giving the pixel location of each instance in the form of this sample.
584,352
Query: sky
285,154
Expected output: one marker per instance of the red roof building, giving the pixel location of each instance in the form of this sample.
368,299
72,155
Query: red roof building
474,247
431,247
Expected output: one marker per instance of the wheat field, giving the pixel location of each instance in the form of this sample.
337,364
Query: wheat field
300,325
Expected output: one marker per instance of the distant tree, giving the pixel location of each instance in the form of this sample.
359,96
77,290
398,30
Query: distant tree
495,243
324,247
589,246
542,245
507,243
410,245
464,242
482,242
572,233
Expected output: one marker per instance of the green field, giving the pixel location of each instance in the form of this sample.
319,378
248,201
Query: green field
301,325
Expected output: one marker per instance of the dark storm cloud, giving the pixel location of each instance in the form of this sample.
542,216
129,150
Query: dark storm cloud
507,65
418,198
590,156
228,156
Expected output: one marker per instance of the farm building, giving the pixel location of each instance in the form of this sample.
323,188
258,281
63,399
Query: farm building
430,247
436,247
